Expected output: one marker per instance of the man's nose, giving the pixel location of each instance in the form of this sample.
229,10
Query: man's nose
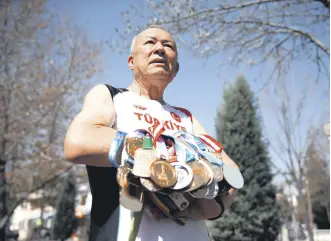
159,49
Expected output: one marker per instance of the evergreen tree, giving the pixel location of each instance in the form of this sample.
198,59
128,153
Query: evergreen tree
255,214
65,221
318,176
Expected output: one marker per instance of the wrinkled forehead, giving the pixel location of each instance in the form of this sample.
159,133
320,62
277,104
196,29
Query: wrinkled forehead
156,33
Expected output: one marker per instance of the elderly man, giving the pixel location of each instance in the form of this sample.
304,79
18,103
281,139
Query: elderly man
108,110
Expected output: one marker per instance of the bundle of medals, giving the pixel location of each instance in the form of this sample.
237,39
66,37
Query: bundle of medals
173,171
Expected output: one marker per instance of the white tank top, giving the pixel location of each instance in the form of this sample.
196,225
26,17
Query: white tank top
136,112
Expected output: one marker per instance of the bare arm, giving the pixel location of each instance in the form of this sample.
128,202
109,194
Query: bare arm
90,134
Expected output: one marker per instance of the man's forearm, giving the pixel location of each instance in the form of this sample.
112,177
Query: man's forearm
90,145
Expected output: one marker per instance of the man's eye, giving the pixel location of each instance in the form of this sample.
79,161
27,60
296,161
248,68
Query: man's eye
149,42
168,45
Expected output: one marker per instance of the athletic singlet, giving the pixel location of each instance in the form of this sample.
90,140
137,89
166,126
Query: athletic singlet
109,220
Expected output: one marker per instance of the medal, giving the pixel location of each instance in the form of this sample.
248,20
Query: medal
216,170
212,190
122,176
149,185
163,174
184,175
132,144
233,176
143,158
201,175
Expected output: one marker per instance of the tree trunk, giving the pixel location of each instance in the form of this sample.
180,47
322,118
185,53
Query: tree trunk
3,204
307,221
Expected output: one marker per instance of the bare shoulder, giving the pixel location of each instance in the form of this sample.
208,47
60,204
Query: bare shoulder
98,94
98,107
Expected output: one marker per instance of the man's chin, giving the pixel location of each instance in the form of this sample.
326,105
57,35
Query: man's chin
160,74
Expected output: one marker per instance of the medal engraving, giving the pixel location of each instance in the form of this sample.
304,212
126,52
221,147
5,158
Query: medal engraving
163,174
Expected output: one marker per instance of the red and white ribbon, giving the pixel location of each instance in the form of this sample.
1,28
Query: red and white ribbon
211,142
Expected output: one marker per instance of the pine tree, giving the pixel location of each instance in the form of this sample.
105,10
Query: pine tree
318,176
255,214
65,220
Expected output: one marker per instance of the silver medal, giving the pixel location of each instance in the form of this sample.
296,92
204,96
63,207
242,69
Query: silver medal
212,190
184,175
233,176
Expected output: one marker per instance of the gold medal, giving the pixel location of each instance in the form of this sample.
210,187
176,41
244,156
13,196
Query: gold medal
132,144
122,176
216,170
201,176
163,174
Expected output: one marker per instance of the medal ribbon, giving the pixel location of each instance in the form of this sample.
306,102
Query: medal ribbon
199,146
185,152
211,142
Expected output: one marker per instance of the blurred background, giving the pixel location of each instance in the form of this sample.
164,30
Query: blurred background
255,73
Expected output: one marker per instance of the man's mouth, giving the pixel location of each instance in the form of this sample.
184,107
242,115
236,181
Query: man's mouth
158,61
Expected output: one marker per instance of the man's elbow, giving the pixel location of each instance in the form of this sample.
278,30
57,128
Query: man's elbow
72,150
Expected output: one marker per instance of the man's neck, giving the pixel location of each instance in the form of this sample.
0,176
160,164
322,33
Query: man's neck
148,91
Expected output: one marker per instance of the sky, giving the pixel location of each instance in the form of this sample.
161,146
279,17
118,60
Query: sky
199,84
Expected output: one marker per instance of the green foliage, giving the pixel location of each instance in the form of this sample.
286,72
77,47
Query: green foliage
65,221
255,214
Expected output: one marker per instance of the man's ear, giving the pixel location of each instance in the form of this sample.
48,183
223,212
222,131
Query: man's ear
177,68
130,62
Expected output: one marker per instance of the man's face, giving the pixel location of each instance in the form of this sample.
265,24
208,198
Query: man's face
154,55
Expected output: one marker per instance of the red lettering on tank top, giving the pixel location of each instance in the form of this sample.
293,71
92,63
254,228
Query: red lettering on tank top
178,127
166,125
148,118
138,114
156,121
